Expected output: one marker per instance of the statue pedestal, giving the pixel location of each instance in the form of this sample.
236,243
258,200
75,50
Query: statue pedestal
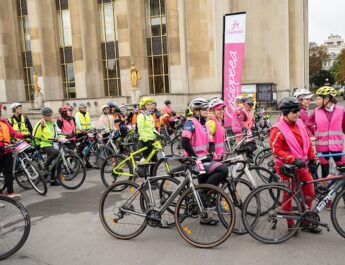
135,93
38,101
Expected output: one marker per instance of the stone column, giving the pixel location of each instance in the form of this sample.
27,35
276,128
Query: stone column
11,67
86,45
45,47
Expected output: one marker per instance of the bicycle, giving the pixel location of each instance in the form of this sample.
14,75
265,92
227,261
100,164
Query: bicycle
24,166
119,166
270,224
69,168
14,226
198,205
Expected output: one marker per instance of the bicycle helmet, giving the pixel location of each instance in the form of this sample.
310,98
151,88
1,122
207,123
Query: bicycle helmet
167,102
216,103
46,111
326,91
198,103
15,105
64,109
104,106
302,93
144,101
82,105
249,102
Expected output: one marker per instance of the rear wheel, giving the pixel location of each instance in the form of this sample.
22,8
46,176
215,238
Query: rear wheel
71,173
338,213
35,177
176,146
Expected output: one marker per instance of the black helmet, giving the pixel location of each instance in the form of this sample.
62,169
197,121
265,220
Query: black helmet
167,102
289,103
249,102
46,111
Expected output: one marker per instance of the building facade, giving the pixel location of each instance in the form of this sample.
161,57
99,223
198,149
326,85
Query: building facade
82,50
334,45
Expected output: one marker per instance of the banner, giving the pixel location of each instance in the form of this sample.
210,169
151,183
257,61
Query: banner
233,55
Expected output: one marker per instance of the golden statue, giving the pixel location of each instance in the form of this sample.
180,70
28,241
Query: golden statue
36,86
135,76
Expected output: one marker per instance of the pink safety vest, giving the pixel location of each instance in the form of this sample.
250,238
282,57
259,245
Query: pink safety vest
68,126
294,146
248,124
199,139
235,123
219,137
329,134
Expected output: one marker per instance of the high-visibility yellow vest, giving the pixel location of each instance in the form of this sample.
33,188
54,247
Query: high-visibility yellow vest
19,126
85,121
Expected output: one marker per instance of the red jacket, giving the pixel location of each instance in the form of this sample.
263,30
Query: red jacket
280,148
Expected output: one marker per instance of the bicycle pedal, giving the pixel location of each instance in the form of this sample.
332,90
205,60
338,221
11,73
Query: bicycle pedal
326,226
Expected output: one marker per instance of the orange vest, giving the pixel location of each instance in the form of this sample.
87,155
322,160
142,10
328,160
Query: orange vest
5,136
157,121
134,118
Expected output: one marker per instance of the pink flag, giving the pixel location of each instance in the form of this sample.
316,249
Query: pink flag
233,55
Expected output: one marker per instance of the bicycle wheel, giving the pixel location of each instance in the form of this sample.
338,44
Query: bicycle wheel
116,168
200,227
265,159
338,213
164,166
242,190
176,146
91,158
103,152
71,173
121,211
20,176
35,177
14,226
2,182
271,224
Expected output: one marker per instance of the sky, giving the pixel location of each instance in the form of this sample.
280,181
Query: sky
326,17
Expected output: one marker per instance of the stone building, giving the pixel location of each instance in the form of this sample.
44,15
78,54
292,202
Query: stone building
334,45
82,50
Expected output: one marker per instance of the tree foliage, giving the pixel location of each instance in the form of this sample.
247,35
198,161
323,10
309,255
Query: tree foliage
338,68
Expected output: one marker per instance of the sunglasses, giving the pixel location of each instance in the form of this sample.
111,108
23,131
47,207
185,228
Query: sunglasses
294,111
204,109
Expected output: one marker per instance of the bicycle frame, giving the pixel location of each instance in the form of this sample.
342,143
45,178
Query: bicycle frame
187,181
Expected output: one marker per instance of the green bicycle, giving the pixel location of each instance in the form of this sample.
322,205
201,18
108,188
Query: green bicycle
118,167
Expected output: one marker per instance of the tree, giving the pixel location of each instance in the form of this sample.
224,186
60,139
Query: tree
338,68
317,54
320,77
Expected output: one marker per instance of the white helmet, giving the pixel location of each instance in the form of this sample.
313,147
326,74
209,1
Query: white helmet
15,105
104,106
302,93
216,102
198,103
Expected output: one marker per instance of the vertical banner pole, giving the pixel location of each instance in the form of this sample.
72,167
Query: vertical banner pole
233,57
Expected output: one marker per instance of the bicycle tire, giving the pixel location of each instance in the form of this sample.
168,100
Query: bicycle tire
113,191
108,168
269,215
265,177
104,151
78,174
335,209
239,228
186,202
2,182
39,183
23,230
176,146
92,154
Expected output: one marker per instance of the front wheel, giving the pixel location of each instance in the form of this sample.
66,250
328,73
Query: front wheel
198,213
34,176
338,213
71,172
176,146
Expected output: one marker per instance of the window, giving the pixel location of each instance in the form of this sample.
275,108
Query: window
157,51
66,52
26,49
109,45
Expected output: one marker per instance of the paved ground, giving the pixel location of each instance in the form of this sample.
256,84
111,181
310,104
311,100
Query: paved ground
66,230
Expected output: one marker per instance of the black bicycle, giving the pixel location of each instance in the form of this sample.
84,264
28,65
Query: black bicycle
14,226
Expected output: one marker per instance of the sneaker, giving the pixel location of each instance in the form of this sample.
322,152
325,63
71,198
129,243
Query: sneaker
55,183
313,230
208,221
14,196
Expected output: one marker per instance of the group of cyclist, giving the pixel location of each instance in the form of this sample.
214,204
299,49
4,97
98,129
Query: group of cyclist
292,137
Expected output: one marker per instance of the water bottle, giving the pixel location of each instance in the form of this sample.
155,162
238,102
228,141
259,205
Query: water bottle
200,167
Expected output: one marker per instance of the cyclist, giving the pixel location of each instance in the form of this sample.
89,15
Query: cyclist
215,123
235,122
66,122
197,142
6,159
44,134
18,121
246,114
82,119
119,120
146,127
327,122
167,109
133,115
304,96
106,119
290,144
156,114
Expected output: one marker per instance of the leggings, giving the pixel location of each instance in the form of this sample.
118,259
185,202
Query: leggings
6,164
216,173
